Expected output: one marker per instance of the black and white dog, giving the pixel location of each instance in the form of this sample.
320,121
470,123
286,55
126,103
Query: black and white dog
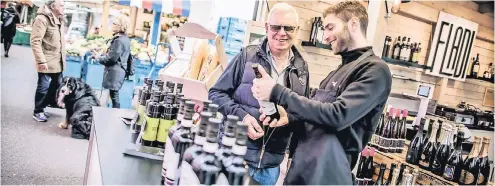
78,100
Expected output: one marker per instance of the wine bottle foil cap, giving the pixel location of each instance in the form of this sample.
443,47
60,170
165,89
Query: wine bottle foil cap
156,96
148,81
203,124
180,85
144,97
230,125
169,98
383,166
159,84
182,104
153,110
212,108
212,130
241,133
206,105
188,110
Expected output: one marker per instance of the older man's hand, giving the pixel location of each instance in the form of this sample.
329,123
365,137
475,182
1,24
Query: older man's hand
262,87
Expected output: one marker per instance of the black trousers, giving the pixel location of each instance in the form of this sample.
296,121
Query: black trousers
114,95
48,84
7,42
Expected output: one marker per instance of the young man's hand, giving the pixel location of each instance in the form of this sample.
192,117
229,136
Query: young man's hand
284,119
254,129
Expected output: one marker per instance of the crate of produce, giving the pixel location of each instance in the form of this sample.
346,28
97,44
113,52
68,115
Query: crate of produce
93,75
73,66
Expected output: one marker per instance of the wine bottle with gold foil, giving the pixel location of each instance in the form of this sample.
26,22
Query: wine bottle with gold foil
454,164
470,166
484,162
429,150
443,151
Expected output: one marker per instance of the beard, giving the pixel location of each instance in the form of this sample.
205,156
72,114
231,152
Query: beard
345,41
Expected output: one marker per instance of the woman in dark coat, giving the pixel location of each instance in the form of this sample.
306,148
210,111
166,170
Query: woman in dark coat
115,61
10,17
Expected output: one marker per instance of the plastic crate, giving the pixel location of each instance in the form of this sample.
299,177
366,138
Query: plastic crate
73,67
141,71
93,75
125,94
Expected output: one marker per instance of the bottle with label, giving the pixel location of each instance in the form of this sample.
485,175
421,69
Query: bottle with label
209,169
453,167
395,176
407,180
235,169
314,30
368,168
407,55
386,46
429,150
413,152
476,67
440,128
361,167
484,172
268,108
228,140
471,165
443,152
169,148
166,119
401,173
179,88
387,132
403,49
375,139
402,131
391,173
151,121
412,51
396,51
169,87
181,140
379,180
453,138
395,132
141,110
415,174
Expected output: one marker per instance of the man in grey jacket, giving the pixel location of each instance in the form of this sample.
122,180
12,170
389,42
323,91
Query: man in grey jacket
47,42
343,114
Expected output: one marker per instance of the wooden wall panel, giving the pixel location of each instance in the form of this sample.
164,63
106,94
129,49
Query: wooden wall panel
460,11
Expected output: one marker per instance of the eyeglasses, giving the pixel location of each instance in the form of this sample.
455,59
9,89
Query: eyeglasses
277,28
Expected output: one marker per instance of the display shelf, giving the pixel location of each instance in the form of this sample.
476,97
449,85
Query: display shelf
424,177
404,63
481,80
317,45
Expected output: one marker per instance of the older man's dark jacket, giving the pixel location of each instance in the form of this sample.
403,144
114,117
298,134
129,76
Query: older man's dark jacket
233,94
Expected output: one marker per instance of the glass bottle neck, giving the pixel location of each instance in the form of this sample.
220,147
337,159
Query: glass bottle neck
433,135
474,150
445,136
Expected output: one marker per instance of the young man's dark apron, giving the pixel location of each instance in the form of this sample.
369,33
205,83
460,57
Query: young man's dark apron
329,91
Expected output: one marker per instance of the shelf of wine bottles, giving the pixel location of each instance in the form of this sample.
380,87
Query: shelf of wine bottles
438,159
390,135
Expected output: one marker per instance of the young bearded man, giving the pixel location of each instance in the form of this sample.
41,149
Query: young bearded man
343,114
232,92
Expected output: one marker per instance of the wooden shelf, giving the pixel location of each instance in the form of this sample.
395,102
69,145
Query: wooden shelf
404,63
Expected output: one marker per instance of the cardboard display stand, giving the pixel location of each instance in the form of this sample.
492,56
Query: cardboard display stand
193,89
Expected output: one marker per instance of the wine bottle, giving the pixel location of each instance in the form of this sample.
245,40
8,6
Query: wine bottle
429,150
415,174
454,164
368,171
228,140
476,67
443,151
395,175
166,119
413,50
402,131
208,169
379,180
179,88
361,166
470,167
417,51
152,121
484,162
268,108
236,172
386,46
181,140
413,152
387,132
395,132
391,173
426,138
453,138
187,175
401,173
381,123
408,50
396,51
169,87
403,49
387,54
314,28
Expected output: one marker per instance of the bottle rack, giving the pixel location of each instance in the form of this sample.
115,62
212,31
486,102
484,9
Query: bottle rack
424,177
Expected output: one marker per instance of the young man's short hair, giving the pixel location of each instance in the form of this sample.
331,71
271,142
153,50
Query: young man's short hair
348,9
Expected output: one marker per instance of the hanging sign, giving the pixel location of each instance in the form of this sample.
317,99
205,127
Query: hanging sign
450,50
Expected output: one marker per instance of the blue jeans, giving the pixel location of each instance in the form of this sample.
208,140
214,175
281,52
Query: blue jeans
46,91
265,176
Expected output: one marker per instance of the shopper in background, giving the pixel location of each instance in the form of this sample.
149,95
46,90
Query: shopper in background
10,17
115,61
232,91
342,116
48,47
